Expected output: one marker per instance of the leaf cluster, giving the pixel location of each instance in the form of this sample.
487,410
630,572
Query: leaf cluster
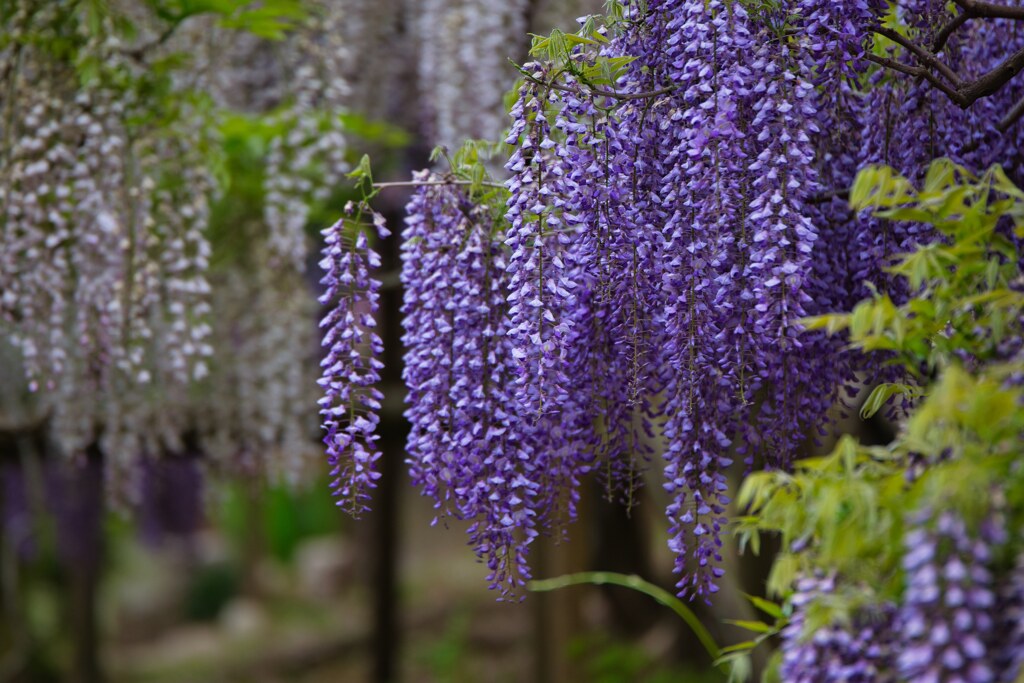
958,336
270,19
966,296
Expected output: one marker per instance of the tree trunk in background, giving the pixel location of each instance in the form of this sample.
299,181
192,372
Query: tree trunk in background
622,546
84,584
386,636
80,544
557,615
386,633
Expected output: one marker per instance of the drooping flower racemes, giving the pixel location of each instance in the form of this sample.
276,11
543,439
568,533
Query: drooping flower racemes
351,368
665,230
467,448
687,191
947,618
955,619
644,258
862,650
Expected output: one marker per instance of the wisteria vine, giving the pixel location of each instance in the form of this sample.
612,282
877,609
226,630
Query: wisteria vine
674,207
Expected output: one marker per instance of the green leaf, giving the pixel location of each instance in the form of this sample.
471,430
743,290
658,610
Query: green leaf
767,606
740,667
754,626
783,573
363,170
745,646
878,397
831,323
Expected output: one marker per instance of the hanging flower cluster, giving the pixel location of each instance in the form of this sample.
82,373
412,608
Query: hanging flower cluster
263,371
465,448
681,237
121,285
861,652
953,622
665,230
463,56
351,369
103,279
947,619
312,143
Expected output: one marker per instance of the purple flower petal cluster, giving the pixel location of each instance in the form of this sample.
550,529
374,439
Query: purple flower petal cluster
699,202
466,447
612,254
684,251
958,618
541,291
837,35
861,651
946,617
351,368
661,249
1009,655
545,307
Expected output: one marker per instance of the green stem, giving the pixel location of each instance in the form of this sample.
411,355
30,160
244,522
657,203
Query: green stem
636,583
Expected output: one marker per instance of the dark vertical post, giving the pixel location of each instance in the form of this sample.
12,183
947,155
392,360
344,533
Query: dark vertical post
80,545
386,635
621,545
556,615
86,660
393,429
540,635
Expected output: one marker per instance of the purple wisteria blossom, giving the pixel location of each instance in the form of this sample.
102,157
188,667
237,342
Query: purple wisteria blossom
467,448
1009,654
698,200
351,368
542,293
612,254
664,233
544,310
946,618
663,247
861,651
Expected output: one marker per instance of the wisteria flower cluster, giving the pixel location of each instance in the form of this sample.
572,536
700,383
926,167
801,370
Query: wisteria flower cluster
940,586
462,52
466,449
863,650
947,620
351,401
957,620
674,209
681,237
105,260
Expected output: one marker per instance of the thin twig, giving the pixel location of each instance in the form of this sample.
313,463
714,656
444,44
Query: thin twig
920,71
828,195
638,584
962,93
926,56
1011,117
944,34
991,82
139,52
991,10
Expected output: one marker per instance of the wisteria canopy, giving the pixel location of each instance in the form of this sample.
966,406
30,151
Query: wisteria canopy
654,278
710,227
